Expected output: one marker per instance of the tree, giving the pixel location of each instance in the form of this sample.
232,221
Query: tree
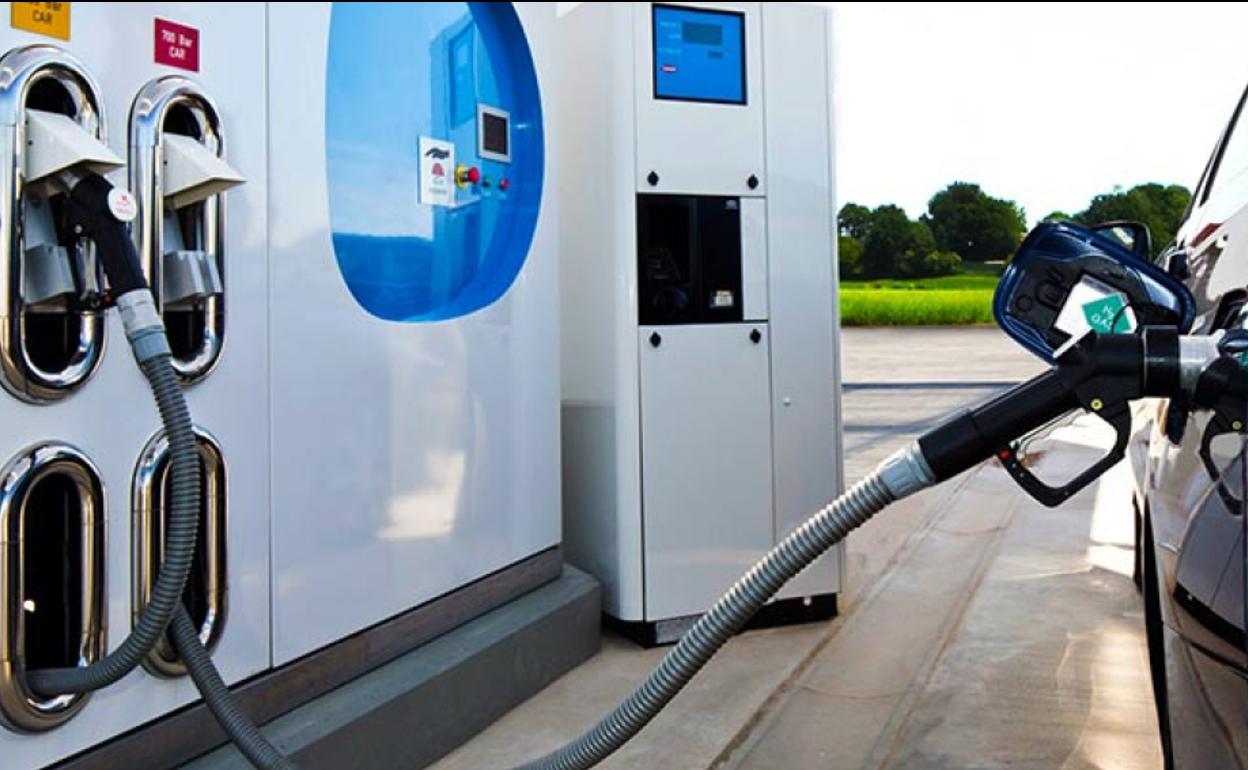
942,263
854,220
895,246
976,226
849,256
886,241
913,261
1058,216
1161,207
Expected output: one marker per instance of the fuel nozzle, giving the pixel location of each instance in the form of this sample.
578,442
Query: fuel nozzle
95,209
1101,374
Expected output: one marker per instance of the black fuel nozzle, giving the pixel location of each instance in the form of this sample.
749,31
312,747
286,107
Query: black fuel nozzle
1222,388
1099,373
95,209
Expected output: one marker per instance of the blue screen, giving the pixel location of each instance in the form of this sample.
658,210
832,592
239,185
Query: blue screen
699,55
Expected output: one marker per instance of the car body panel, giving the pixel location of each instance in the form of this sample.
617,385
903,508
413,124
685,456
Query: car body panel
1198,522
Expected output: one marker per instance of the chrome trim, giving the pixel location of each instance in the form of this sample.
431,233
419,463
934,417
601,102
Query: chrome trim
147,119
147,494
20,709
20,69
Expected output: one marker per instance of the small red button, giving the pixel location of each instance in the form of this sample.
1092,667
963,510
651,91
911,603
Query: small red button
466,175
504,183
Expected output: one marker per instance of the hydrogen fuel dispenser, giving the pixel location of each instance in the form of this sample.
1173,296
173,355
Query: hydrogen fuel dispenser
345,215
83,491
700,334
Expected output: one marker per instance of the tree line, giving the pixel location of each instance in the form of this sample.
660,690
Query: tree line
965,224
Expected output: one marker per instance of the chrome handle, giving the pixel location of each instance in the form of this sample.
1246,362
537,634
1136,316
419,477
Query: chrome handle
150,486
26,372
179,99
20,708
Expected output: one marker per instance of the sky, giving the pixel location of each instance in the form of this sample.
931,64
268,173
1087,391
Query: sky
1044,104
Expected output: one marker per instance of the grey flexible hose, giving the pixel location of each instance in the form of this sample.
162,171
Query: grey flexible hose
183,523
233,720
900,475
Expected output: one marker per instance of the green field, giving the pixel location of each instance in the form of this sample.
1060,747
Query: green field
950,300
915,307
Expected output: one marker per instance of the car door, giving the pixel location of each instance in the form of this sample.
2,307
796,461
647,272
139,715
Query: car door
1196,504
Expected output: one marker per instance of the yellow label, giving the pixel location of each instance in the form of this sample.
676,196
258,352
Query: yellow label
51,19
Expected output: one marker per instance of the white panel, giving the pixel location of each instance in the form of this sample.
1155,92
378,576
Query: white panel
804,326
597,303
697,147
112,416
706,473
408,458
55,142
754,258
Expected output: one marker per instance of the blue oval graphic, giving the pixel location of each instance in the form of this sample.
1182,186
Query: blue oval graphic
413,242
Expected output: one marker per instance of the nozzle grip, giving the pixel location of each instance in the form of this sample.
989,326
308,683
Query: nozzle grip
1053,496
979,432
89,213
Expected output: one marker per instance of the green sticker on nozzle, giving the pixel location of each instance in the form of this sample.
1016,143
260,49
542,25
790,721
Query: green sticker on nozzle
1108,315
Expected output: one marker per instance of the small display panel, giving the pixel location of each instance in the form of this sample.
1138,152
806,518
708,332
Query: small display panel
494,129
699,55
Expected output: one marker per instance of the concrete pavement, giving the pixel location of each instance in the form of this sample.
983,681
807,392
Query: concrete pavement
979,629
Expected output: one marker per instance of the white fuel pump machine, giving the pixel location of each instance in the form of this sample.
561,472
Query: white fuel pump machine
700,337
345,213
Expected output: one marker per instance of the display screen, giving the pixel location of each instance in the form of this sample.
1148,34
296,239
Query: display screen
699,55
494,133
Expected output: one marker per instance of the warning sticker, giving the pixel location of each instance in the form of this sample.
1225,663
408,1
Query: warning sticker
1093,305
177,45
50,19
1106,316
437,164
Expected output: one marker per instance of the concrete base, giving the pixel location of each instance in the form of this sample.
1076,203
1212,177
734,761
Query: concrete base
422,705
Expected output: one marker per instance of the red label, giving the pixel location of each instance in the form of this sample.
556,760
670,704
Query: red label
177,45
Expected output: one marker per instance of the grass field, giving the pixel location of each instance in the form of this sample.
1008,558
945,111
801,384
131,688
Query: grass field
915,307
950,300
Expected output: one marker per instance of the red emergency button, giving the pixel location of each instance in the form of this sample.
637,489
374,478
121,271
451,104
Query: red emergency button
504,183
466,175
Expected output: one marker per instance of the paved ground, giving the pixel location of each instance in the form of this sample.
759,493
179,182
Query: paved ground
979,629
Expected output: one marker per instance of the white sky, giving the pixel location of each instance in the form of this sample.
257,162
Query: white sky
1046,104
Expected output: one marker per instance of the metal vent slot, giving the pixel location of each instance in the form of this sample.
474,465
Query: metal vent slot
51,578
177,173
51,324
205,592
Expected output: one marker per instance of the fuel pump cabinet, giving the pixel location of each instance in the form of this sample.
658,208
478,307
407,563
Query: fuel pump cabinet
699,329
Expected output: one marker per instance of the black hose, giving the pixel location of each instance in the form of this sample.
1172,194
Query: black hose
183,524
233,720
